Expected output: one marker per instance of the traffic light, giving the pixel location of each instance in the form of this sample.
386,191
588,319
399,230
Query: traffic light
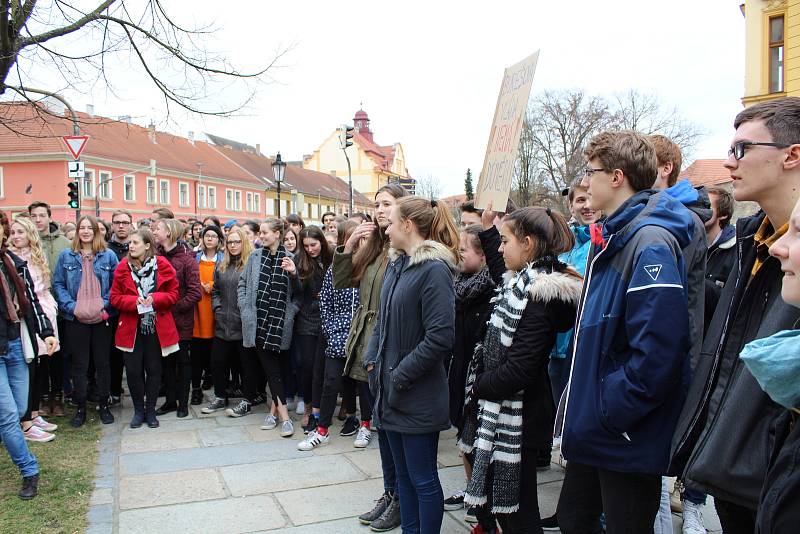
345,136
74,197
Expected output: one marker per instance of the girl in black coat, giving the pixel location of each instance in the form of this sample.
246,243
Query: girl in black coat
509,411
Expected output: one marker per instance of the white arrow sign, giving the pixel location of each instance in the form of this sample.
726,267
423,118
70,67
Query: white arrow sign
76,169
75,144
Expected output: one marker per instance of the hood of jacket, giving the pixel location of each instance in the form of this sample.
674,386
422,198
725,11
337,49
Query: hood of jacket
648,208
695,199
726,238
428,250
54,233
581,233
550,286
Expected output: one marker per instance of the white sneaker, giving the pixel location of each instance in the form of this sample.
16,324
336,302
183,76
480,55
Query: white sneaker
692,519
362,438
44,425
269,423
34,433
287,429
312,441
301,408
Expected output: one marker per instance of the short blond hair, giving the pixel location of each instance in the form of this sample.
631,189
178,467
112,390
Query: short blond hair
174,227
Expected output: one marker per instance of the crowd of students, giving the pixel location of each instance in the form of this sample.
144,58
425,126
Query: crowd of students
644,336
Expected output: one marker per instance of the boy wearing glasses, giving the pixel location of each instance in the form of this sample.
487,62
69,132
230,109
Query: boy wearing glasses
722,442
630,367
121,228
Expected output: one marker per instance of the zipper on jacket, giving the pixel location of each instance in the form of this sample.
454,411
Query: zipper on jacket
577,330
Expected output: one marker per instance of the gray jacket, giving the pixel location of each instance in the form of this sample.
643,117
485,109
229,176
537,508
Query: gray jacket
414,334
225,303
247,291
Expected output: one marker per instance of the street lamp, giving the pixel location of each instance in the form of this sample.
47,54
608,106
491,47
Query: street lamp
278,168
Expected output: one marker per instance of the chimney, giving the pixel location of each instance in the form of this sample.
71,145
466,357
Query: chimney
191,137
151,132
90,110
258,148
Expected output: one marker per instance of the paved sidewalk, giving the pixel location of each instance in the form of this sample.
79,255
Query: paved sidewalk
216,474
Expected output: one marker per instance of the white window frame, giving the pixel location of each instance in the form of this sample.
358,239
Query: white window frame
211,199
2,184
257,203
88,178
132,178
104,187
183,188
229,199
154,198
249,202
161,200
201,196
237,200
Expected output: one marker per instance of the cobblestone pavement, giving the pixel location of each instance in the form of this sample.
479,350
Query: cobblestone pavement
216,474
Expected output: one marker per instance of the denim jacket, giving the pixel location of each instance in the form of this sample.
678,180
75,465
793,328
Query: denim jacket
67,279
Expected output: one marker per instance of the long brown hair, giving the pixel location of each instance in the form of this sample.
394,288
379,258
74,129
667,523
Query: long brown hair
548,229
99,241
367,251
306,265
147,238
432,219
227,259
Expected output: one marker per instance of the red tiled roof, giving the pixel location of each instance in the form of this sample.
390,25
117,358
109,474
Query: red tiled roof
383,156
454,201
707,172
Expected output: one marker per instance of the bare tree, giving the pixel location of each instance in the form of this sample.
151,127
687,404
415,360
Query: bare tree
428,187
527,167
78,44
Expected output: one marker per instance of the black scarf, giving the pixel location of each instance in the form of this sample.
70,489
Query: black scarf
470,287
273,292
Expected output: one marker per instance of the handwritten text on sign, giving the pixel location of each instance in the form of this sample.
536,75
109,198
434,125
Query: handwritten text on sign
494,184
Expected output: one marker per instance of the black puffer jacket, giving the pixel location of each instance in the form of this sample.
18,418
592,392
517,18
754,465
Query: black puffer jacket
727,428
307,293
719,262
779,509
225,303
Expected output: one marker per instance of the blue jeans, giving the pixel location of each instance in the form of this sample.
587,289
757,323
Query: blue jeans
421,495
387,462
13,403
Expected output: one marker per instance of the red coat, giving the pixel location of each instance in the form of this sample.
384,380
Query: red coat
124,295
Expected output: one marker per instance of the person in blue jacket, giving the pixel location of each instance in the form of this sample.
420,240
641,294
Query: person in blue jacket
630,370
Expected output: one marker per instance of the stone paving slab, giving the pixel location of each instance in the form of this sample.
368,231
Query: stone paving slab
176,425
167,488
231,516
368,461
178,460
269,477
159,441
214,437
329,502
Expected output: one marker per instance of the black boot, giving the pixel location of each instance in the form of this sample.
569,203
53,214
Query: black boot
166,408
138,417
30,488
197,397
106,417
80,415
183,411
150,417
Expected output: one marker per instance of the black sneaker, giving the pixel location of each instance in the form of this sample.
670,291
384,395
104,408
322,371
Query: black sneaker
114,400
380,506
312,425
389,520
166,408
106,417
137,419
455,501
207,384
197,397
469,515
550,523
216,405
350,426
30,487
241,409
258,400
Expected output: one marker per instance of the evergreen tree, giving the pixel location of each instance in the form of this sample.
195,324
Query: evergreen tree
468,186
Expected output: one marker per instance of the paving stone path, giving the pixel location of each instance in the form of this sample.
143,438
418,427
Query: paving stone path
216,474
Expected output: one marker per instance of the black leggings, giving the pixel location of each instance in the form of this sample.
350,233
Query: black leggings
222,354
89,340
201,358
306,347
334,384
318,373
269,362
177,374
143,367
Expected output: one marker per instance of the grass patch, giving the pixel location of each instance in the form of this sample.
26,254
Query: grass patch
66,481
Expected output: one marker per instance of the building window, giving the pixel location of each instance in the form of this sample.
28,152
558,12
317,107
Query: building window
105,185
229,199
88,184
183,194
212,198
237,201
151,190
201,196
129,182
249,201
163,191
776,54
257,202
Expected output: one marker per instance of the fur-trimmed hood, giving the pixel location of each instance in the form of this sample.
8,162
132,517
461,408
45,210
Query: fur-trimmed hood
555,285
428,250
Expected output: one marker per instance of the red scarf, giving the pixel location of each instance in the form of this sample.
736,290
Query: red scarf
596,234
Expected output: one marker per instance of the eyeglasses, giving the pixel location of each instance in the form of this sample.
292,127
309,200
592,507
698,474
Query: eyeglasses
737,150
234,242
588,171
121,223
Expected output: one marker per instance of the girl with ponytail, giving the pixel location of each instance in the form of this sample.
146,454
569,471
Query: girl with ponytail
406,353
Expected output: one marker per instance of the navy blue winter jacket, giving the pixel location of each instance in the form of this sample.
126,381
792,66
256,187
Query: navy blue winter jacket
631,370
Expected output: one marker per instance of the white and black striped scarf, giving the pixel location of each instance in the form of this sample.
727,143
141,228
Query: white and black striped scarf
273,291
493,430
145,279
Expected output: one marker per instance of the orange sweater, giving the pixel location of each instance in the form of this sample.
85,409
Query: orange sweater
203,315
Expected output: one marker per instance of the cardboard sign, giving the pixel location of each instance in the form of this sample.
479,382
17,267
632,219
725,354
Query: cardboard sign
494,183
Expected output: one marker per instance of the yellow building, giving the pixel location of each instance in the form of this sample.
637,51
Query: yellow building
772,49
373,165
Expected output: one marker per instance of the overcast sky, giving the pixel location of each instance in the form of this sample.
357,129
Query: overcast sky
428,72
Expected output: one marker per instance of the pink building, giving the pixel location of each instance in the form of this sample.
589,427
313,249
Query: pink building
192,178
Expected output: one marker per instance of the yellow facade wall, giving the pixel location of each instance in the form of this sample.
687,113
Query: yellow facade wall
756,83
